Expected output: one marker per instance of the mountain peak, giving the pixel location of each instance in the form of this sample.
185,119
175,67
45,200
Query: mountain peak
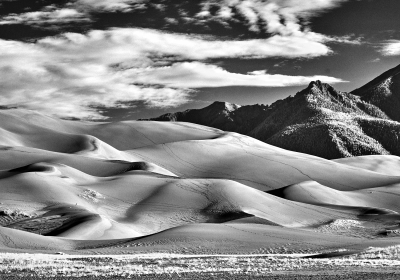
316,83
221,105
319,85
378,81
383,92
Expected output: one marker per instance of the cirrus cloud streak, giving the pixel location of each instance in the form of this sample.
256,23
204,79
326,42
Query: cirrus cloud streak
200,75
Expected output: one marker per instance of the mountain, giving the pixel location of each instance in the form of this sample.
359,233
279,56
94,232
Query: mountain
318,120
222,115
383,92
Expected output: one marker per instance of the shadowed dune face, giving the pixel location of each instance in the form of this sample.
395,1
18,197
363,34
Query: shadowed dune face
155,186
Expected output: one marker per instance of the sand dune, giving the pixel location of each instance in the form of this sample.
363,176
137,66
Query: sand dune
15,157
74,185
311,192
140,202
385,164
248,238
11,239
257,164
37,130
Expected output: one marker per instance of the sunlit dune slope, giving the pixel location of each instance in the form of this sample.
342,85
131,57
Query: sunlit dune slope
28,128
11,239
197,238
257,164
237,238
385,164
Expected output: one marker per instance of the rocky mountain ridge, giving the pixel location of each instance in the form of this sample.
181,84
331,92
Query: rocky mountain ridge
318,120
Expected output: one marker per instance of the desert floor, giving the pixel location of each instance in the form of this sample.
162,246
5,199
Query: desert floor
380,264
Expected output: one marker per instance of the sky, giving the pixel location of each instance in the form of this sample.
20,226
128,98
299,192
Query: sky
111,60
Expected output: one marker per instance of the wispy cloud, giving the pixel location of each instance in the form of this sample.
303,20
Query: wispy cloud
49,15
74,11
198,75
71,74
375,60
258,72
276,16
390,48
283,17
110,5
194,47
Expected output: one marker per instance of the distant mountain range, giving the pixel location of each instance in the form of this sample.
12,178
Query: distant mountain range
318,120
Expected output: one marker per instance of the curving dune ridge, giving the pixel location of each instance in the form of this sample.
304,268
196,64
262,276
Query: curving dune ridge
158,186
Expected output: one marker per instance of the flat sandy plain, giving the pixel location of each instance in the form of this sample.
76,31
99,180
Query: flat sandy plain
162,200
